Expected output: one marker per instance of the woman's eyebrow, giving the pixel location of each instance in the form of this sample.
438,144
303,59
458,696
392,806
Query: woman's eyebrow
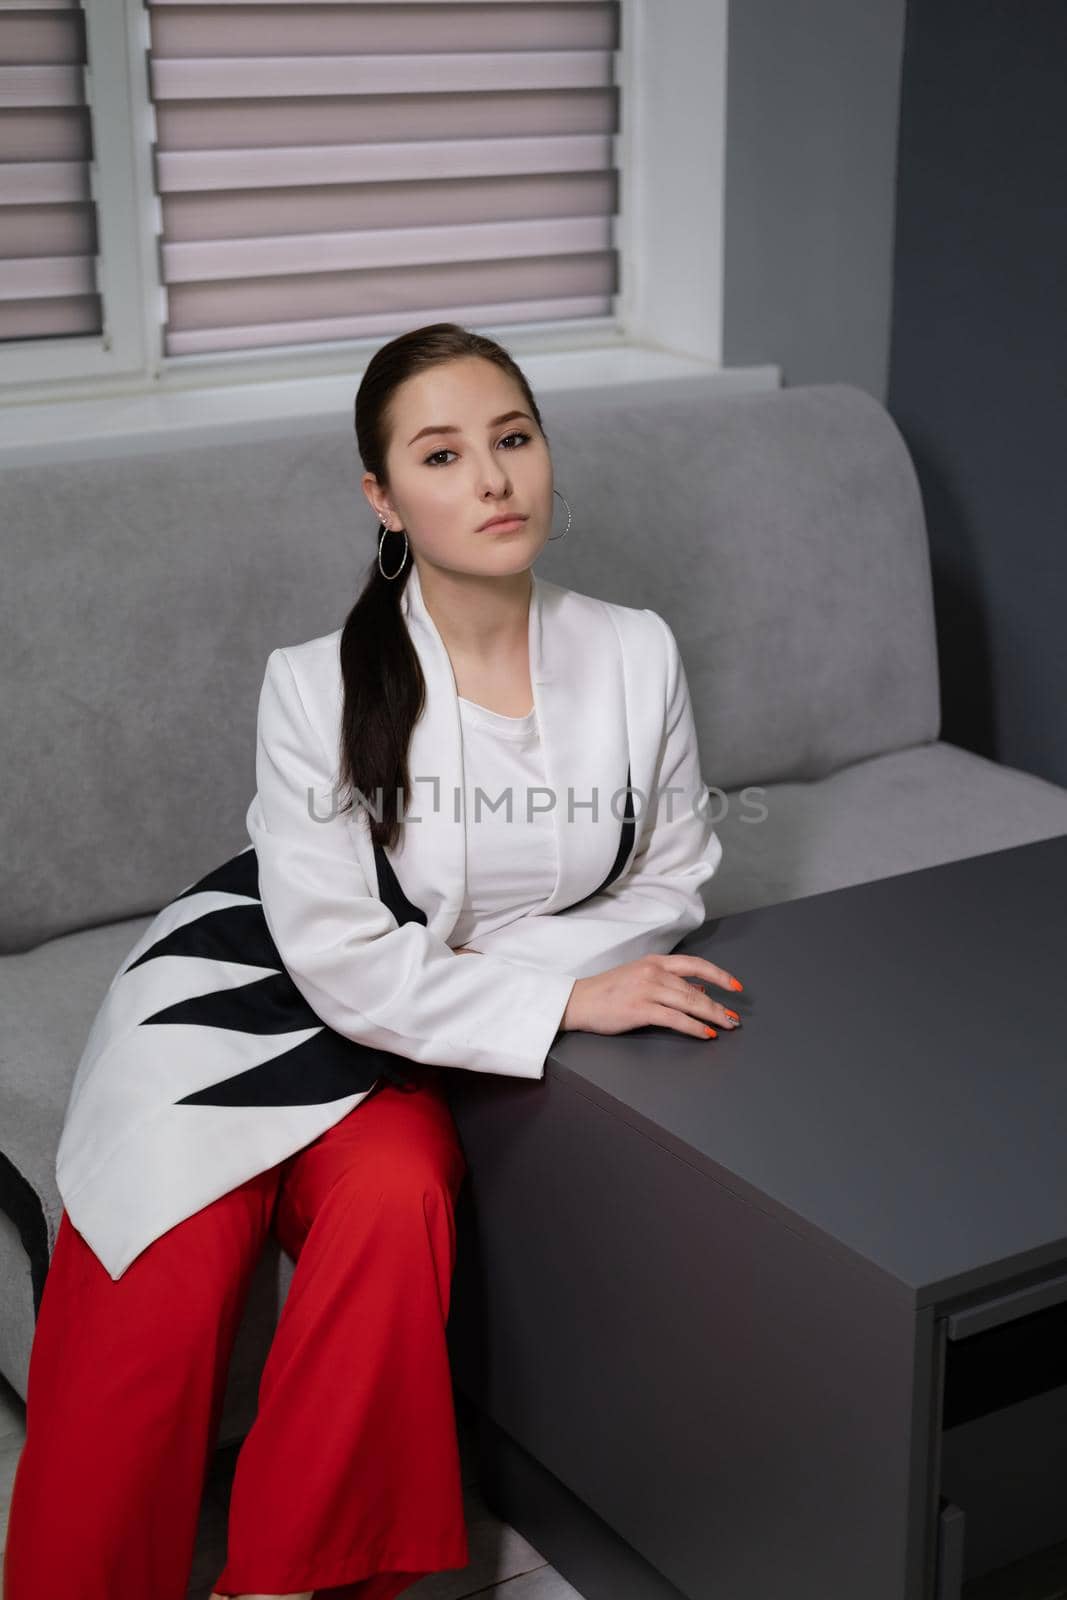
494,422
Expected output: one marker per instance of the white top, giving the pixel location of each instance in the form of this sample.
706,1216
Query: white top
511,839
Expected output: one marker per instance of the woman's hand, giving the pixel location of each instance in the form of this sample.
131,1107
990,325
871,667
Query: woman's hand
462,950
652,990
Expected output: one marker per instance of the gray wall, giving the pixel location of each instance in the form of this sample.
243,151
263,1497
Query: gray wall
812,113
978,357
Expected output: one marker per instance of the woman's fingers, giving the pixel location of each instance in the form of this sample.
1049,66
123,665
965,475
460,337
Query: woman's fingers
670,1017
654,989
696,967
691,997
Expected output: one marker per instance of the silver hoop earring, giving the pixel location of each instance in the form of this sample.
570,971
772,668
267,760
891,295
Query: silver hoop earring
567,529
381,541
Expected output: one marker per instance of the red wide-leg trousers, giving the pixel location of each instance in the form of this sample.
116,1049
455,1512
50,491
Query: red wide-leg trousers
348,1483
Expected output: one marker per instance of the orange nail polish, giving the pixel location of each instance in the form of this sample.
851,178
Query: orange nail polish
710,1033
732,1014
736,984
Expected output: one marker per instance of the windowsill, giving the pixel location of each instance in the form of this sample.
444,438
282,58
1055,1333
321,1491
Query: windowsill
140,423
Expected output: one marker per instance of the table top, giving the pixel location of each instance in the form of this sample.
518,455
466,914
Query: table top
898,1088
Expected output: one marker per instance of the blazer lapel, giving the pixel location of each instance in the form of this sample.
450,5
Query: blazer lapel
431,859
579,691
578,680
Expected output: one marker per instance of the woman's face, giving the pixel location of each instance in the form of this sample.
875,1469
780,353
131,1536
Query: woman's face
443,484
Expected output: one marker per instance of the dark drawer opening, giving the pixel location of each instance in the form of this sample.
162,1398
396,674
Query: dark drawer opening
1004,1365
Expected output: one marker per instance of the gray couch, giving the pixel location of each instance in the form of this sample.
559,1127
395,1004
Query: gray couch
781,534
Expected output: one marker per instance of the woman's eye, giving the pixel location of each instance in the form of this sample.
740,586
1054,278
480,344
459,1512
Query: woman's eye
431,460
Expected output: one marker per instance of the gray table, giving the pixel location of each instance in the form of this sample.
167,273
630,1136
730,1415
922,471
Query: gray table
783,1315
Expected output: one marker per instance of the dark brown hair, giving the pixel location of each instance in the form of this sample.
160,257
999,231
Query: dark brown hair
384,688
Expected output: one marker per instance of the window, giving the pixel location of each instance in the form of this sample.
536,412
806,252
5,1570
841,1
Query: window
48,217
280,185
340,171
300,176
108,150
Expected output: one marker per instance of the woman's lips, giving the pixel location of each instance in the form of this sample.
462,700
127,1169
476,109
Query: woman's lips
507,525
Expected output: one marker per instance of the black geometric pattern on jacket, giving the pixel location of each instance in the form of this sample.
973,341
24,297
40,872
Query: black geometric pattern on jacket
326,1067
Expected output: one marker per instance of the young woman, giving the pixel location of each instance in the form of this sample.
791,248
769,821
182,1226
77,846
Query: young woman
453,773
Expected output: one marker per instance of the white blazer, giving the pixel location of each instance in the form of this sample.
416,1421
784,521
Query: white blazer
177,1099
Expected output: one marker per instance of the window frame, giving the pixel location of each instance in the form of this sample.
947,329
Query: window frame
59,367
671,72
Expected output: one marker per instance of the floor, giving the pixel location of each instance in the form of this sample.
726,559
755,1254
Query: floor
502,1564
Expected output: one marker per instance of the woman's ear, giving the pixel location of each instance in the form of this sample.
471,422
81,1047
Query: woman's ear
375,497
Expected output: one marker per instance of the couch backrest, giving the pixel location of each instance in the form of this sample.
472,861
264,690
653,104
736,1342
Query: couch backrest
781,534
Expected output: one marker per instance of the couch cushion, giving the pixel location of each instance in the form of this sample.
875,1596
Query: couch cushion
895,813
781,534
48,999
17,1313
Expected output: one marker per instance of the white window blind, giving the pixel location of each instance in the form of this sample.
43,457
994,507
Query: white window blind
47,217
341,170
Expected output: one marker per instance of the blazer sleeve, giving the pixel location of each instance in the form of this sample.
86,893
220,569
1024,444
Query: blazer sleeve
662,896
397,987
